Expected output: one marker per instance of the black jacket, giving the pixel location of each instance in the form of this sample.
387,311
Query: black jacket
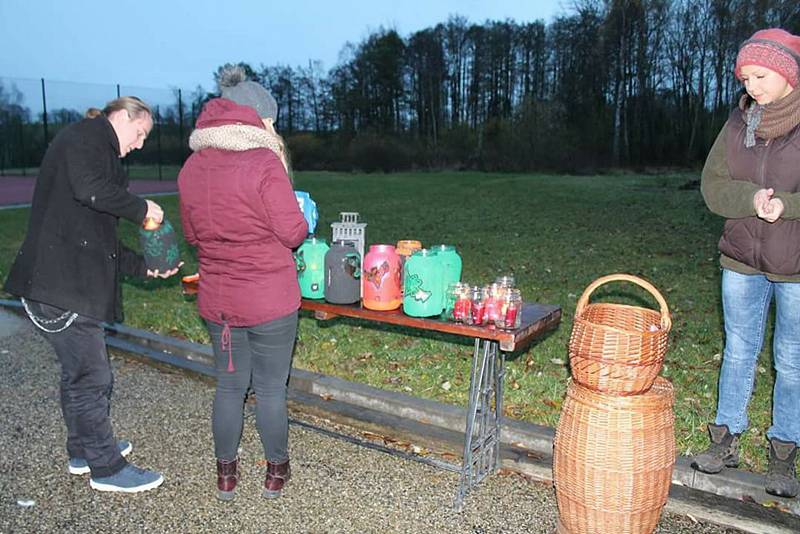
71,257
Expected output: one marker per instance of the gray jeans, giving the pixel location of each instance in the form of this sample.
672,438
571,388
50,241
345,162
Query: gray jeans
260,355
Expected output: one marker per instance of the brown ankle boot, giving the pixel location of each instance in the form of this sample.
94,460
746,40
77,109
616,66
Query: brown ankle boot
227,477
277,476
723,451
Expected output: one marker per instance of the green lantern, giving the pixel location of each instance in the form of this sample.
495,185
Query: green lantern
310,261
451,264
423,294
159,246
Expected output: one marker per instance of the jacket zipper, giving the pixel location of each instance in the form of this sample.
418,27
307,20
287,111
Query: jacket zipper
762,171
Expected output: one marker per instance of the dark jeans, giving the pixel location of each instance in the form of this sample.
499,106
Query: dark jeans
261,355
86,385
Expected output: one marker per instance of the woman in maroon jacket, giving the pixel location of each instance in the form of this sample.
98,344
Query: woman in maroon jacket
239,210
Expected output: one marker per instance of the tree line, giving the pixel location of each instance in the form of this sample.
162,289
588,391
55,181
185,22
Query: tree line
610,83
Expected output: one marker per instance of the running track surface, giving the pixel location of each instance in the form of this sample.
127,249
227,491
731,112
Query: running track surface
18,190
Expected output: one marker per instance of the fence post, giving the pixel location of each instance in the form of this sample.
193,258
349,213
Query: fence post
180,127
44,114
3,152
22,144
158,140
126,161
5,143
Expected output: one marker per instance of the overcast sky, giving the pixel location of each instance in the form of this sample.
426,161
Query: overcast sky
179,43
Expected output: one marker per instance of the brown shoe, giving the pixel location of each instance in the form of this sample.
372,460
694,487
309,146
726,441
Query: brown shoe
227,477
277,476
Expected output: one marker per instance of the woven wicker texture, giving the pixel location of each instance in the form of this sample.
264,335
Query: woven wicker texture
613,458
616,348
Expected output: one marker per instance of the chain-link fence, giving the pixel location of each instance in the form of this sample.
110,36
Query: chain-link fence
33,111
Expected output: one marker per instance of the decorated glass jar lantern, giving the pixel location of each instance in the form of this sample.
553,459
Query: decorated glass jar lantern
381,279
406,247
342,274
451,264
310,261
423,291
350,229
159,245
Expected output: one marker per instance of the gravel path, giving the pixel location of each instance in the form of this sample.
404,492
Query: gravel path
336,486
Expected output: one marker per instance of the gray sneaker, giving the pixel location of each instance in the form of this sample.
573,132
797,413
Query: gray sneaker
130,479
79,466
723,451
781,475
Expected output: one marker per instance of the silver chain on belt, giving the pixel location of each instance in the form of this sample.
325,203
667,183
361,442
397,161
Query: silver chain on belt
41,322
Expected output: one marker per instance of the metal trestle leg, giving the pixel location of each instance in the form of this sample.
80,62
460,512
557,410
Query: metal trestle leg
482,439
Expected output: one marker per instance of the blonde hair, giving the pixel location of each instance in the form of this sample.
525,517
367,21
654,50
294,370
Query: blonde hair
133,105
91,113
283,151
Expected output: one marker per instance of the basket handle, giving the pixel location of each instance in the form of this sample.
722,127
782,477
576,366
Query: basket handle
666,322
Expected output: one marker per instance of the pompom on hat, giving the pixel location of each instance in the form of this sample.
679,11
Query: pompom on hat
775,49
234,85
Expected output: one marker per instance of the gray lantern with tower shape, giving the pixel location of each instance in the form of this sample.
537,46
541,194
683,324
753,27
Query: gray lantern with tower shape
350,230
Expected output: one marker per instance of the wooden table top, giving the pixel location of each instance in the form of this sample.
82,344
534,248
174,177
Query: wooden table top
536,320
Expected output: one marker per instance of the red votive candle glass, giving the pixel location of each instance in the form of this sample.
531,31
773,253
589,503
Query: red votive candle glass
464,310
494,304
478,309
512,317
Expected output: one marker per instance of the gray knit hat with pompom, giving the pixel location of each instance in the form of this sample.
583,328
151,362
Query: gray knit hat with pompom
234,85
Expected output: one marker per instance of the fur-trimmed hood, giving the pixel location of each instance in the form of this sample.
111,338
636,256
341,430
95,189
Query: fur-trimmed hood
225,125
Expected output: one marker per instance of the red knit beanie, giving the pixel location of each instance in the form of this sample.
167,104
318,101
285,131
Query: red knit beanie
775,49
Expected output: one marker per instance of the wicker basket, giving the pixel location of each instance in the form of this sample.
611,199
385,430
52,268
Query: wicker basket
615,348
612,460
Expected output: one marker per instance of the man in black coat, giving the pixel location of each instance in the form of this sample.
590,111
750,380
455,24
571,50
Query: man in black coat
68,270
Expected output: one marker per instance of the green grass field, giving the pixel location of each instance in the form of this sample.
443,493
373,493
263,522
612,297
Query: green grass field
555,234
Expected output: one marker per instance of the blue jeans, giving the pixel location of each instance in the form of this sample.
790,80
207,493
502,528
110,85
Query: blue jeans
746,301
261,356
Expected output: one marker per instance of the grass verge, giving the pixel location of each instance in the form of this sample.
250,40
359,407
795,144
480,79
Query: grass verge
555,234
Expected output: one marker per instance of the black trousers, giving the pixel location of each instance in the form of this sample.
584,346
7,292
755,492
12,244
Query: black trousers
86,385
